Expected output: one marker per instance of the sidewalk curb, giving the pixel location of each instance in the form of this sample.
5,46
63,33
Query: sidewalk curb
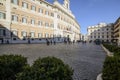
107,51
99,77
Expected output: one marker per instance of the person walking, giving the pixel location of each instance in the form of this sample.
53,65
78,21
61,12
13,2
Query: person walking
51,42
47,42
28,40
73,41
7,41
2,41
54,42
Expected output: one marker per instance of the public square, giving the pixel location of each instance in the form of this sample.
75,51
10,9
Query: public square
86,59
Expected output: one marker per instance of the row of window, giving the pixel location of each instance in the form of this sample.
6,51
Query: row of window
103,33
24,20
105,29
24,34
64,28
106,40
31,34
33,7
25,5
65,20
97,37
40,10
40,23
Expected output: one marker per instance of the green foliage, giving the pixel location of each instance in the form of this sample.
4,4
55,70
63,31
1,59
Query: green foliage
10,65
15,67
48,68
27,74
117,54
111,68
113,48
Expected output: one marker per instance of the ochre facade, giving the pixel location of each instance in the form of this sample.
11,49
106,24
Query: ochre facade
21,20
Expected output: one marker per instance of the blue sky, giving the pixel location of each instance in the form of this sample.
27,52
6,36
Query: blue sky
92,12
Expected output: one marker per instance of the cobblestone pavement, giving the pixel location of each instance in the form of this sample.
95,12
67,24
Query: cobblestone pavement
86,59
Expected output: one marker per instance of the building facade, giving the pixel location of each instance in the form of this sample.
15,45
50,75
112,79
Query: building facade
101,31
117,31
37,20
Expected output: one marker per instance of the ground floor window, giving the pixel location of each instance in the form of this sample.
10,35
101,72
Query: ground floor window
46,35
2,15
51,36
32,34
14,33
14,38
24,34
2,32
39,35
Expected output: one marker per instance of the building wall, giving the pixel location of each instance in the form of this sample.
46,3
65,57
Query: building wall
52,21
101,31
117,31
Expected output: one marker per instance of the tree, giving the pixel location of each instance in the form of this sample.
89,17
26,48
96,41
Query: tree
10,65
48,68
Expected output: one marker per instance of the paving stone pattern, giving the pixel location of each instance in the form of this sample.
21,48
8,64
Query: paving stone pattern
86,59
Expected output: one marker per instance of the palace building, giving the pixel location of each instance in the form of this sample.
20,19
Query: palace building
101,31
37,20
